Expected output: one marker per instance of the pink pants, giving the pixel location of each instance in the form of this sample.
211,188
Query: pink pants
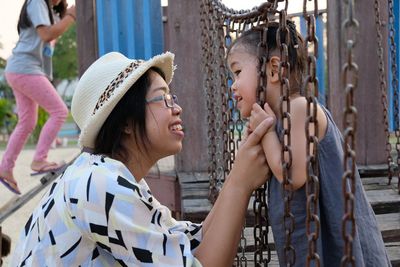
30,91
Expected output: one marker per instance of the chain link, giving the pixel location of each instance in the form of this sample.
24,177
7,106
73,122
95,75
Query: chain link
311,94
205,22
283,42
395,86
260,204
383,87
350,79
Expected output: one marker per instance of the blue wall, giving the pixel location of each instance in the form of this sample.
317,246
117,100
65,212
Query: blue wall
132,27
321,61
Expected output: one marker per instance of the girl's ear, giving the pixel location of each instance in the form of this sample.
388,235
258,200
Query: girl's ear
273,68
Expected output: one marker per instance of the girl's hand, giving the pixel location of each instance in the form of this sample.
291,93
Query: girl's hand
250,168
71,10
258,115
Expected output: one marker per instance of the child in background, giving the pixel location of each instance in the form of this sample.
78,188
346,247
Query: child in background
29,73
243,62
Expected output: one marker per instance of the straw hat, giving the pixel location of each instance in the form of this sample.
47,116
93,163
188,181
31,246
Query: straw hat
104,83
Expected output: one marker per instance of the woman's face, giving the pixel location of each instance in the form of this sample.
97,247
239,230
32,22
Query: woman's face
163,124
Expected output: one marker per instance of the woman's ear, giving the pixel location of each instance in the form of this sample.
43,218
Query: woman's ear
128,129
273,68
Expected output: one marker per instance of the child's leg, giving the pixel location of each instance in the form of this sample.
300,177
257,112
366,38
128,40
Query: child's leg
27,118
44,93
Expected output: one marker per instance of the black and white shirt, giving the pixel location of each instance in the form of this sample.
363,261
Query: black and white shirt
96,214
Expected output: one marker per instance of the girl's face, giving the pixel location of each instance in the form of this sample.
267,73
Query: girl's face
163,124
55,2
243,66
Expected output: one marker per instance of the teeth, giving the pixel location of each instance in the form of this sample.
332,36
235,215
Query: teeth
177,127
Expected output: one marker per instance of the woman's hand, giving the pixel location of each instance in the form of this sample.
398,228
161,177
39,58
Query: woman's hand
250,167
258,115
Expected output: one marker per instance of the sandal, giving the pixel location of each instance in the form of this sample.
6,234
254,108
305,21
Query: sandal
48,167
13,187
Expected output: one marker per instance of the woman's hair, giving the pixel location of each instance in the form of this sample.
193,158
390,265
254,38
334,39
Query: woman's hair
130,110
25,22
250,40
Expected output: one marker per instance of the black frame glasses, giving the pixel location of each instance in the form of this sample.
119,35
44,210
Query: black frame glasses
169,99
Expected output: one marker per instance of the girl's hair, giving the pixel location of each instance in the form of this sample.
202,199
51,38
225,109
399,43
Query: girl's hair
130,110
250,40
25,22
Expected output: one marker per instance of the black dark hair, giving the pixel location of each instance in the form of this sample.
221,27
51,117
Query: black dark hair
131,108
250,40
25,22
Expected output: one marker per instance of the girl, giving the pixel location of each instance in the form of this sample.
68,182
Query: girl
368,247
29,72
101,212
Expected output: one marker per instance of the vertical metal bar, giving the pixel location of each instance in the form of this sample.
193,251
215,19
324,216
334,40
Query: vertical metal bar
126,33
100,26
303,26
321,60
157,34
396,7
147,29
320,27
397,29
115,27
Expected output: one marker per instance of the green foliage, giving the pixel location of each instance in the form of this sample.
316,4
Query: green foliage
65,60
5,91
8,119
42,118
2,63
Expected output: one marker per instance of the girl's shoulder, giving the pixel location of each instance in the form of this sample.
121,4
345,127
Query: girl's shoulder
298,111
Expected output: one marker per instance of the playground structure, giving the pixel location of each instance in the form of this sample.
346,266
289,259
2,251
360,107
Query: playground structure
203,87
198,31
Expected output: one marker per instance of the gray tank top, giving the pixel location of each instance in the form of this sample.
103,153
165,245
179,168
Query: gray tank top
368,249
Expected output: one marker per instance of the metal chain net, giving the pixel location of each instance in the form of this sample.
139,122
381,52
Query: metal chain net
219,27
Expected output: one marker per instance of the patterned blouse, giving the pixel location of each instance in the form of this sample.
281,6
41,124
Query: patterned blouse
96,214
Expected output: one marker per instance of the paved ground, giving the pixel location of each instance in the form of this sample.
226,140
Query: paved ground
13,225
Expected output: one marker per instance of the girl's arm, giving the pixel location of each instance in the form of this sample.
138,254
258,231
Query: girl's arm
49,33
223,225
273,148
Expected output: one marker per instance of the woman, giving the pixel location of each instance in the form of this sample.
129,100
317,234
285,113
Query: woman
29,73
101,211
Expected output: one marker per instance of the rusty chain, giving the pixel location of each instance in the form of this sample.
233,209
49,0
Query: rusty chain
383,87
283,42
225,128
395,86
260,204
350,79
205,21
311,94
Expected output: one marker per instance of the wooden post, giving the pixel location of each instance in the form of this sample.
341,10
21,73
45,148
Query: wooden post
370,139
86,33
184,31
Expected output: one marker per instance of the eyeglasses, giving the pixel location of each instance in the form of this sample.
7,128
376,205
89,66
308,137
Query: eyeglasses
169,100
